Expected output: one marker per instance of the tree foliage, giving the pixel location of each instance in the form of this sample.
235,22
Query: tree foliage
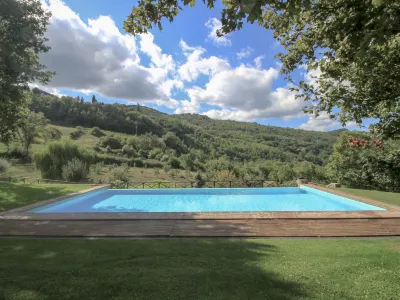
361,162
353,46
29,129
22,27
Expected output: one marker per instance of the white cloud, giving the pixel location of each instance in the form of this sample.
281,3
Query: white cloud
160,60
188,107
257,62
245,94
323,123
97,57
196,64
47,89
245,52
214,24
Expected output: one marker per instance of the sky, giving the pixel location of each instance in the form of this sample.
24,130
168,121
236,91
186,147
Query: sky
185,68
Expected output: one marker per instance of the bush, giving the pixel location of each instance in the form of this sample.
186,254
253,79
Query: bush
15,151
75,171
199,180
174,163
118,184
98,167
57,154
78,132
110,141
128,151
4,165
95,131
120,174
156,153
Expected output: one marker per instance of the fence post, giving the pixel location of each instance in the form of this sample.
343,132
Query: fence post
214,184
159,184
230,183
143,185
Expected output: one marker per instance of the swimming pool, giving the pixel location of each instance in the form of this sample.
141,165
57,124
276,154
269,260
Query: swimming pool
206,200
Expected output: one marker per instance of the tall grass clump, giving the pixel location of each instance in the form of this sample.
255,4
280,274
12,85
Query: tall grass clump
75,170
57,154
4,165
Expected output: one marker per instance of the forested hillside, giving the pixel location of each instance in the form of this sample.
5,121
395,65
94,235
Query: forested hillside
238,141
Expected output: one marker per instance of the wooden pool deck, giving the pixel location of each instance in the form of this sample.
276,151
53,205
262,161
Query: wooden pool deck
227,224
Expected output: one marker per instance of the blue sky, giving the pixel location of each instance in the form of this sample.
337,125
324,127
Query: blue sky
183,69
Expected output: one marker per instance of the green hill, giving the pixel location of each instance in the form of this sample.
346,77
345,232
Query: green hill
143,137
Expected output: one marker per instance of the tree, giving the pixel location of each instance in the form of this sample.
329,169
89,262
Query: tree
361,162
30,128
353,59
22,28
94,99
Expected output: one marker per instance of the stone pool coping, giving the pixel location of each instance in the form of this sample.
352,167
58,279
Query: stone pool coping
391,212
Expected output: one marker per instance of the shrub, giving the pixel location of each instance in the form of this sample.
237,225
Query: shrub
128,151
98,167
113,142
51,134
4,165
174,163
120,174
156,153
199,180
75,170
57,154
118,184
108,149
95,131
167,168
15,151
173,173
78,132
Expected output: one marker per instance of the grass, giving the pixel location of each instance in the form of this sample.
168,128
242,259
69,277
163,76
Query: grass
13,195
386,197
199,269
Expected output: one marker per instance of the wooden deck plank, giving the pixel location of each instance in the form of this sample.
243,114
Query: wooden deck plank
202,228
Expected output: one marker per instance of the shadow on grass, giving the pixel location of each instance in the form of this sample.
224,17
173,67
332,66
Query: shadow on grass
18,195
142,269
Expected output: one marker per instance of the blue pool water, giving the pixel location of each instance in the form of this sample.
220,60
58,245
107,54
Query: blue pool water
206,200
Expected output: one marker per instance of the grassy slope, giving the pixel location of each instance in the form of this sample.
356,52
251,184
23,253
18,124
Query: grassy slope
14,195
387,197
199,269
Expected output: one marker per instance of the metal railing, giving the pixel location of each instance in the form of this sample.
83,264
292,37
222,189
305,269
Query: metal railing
195,184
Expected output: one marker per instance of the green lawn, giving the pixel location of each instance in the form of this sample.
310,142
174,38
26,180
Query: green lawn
387,197
199,269
14,195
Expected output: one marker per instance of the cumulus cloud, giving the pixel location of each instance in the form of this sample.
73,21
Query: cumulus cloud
214,24
245,94
323,123
96,56
245,52
196,64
